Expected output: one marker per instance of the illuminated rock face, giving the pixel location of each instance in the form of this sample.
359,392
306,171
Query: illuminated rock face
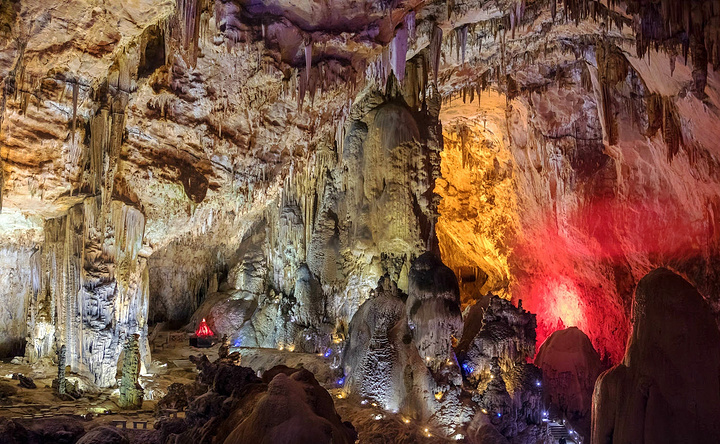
159,158
433,310
577,218
507,333
402,359
384,359
667,389
570,366
365,210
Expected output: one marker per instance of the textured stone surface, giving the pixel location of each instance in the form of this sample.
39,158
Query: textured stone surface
667,389
131,393
256,139
570,366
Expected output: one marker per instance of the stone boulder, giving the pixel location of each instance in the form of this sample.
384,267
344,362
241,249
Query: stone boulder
667,389
295,409
104,435
570,366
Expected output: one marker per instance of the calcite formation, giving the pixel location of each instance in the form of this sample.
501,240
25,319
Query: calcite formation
131,392
400,357
670,377
507,334
263,164
433,310
570,366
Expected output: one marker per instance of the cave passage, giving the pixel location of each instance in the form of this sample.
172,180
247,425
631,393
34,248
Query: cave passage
360,221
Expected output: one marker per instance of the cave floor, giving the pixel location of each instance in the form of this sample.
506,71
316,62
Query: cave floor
170,364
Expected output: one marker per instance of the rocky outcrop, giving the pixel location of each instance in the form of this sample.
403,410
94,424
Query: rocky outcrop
667,389
229,404
507,335
366,209
570,366
136,136
382,361
131,392
433,310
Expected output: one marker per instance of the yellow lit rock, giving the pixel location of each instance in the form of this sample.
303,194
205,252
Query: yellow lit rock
478,210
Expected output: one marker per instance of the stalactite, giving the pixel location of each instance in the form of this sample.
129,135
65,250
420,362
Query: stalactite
129,225
74,107
671,128
435,50
398,53
308,63
2,183
410,24
462,34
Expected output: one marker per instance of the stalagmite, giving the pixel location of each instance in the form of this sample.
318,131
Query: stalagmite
61,381
131,393
436,39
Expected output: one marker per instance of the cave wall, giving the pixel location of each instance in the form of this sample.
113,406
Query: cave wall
611,169
363,211
272,138
16,284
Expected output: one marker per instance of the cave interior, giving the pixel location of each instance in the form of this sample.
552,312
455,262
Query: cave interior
354,221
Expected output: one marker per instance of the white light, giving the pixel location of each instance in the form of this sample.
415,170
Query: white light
378,417
458,437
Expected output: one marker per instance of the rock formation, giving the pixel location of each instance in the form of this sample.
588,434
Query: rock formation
62,364
667,389
433,310
131,393
263,164
229,404
507,335
570,366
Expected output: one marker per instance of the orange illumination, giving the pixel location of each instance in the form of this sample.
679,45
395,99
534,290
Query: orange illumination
203,330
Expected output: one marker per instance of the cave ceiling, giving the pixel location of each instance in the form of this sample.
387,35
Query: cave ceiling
200,115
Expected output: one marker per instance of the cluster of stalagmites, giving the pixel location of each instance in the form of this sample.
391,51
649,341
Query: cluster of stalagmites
230,404
401,354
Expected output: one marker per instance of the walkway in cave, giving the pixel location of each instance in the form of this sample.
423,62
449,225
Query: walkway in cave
558,430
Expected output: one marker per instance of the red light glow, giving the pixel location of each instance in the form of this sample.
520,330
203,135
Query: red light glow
203,330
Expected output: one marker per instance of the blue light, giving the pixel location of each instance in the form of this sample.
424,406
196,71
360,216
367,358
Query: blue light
537,383
467,367
237,342
499,415
341,381
328,352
